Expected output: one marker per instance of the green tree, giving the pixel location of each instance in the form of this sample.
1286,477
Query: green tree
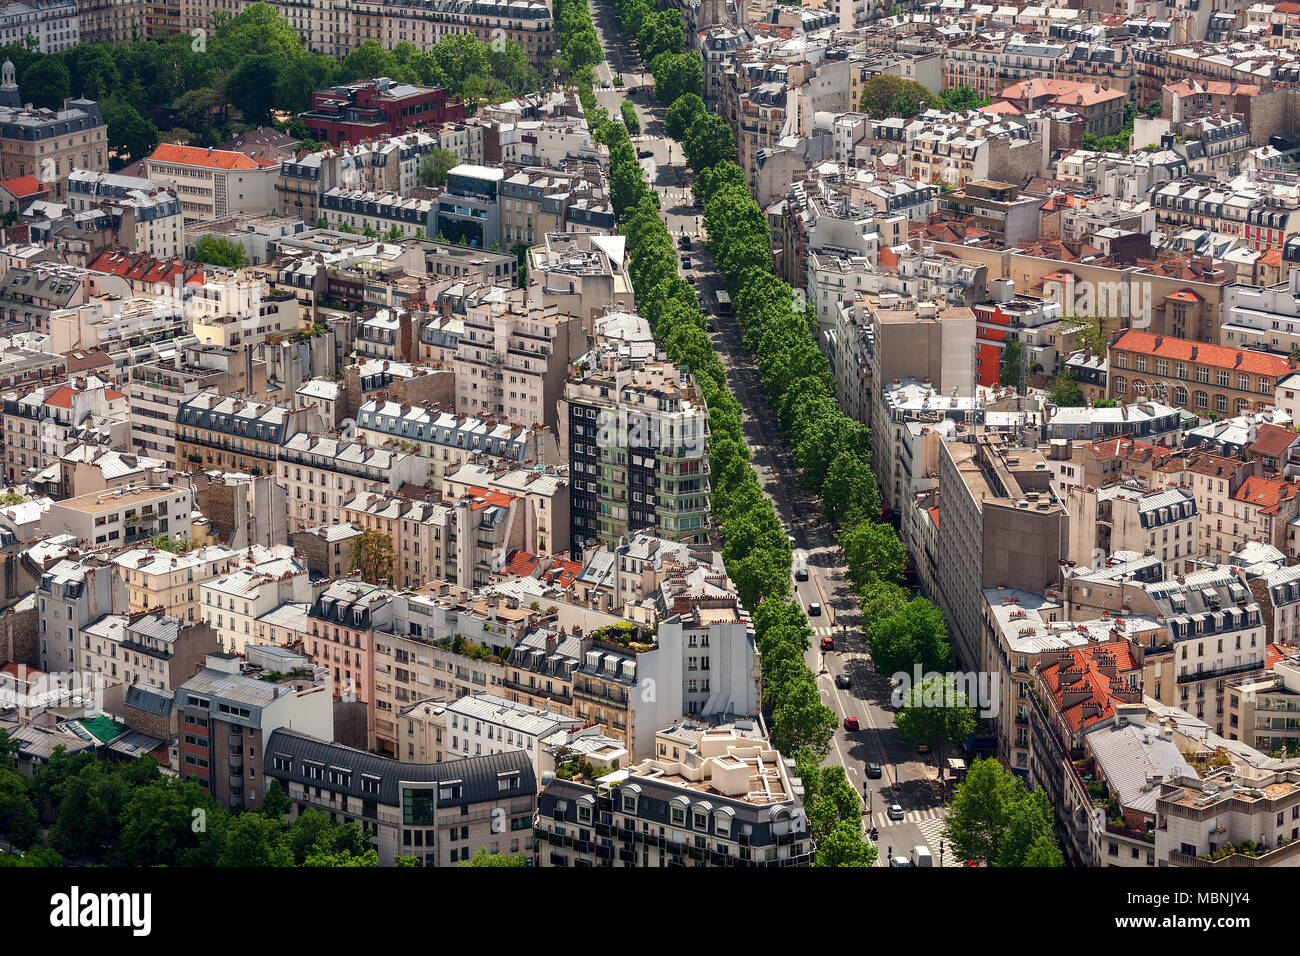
219,251
251,88
684,111
915,635
433,170
661,32
1029,820
981,811
1044,852
709,141
482,857
46,83
873,553
629,118
844,846
1064,390
18,819
935,713
368,61
130,135
372,555
886,95
92,71
677,74
88,813
961,98
1013,363
255,840
800,719
849,493
296,84
258,31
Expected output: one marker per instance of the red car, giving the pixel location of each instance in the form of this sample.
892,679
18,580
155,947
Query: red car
850,724
828,644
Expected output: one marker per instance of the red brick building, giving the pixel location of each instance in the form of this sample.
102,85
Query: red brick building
376,109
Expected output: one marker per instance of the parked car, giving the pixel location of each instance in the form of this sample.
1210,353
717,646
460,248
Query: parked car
900,861
851,724
801,574
686,262
828,643
843,682
605,83
814,610
873,771
684,242
895,812
644,153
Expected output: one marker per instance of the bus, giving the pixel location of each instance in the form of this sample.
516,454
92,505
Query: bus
724,302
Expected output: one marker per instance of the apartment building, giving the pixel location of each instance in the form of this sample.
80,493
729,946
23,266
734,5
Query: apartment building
1278,593
1003,525
528,23
635,435
155,578
214,183
997,208
1124,517
42,423
511,361
1198,377
229,711
654,814
486,724
1200,818
1256,210
374,109
544,493
322,474
234,603
444,439
146,648
381,213
343,621
230,433
1262,709
48,144
145,214
124,516
156,389
440,814
72,592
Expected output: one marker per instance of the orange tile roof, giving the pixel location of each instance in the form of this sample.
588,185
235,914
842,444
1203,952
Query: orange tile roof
1166,346
1272,441
1272,655
934,516
28,673
1130,450
1265,493
1100,702
61,397
21,186
208,158
498,498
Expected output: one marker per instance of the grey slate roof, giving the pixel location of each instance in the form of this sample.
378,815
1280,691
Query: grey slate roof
477,775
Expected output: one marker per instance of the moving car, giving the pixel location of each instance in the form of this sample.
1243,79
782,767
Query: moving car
644,153
684,242
850,724
873,771
814,610
686,262
895,812
828,644
801,574
900,861
605,83
843,682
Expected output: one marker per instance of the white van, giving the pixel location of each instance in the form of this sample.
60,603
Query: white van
921,856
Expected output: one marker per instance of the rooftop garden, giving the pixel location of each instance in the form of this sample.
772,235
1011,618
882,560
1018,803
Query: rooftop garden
626,635
460,644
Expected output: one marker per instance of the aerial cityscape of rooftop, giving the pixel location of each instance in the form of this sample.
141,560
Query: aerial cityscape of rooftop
615,433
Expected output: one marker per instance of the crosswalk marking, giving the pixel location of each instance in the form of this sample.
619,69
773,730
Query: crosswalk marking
933,829
881,818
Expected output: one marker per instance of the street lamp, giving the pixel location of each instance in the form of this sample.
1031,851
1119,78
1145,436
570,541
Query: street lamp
941,853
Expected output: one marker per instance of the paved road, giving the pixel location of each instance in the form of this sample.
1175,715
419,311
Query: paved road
906,778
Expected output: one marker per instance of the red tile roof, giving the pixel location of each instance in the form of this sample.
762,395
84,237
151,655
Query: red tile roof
27,673
488,498
208,158
22,186
1272,441
61,397
1090,662
1265,493
1272,654
1166,346
934,516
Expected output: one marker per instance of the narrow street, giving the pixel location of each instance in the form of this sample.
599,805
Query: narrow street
905,778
